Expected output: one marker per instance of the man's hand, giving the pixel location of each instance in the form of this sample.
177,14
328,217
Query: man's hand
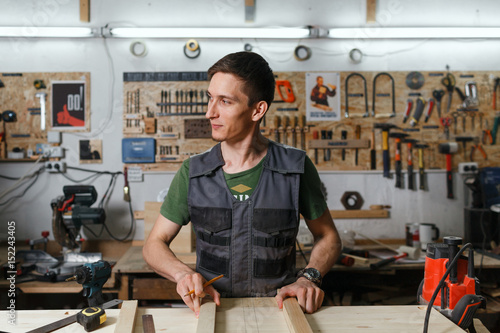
309,295
194,281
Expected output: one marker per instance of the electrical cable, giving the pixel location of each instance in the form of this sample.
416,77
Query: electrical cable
440,284
26,175
36,174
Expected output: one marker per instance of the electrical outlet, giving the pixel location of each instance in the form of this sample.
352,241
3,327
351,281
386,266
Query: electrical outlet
468,168
55,166
56,152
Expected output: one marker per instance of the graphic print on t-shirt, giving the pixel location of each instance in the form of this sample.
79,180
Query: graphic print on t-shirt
241,189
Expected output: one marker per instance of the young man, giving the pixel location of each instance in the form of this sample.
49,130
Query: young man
244,197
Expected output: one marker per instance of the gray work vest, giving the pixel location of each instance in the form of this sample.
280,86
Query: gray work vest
251,242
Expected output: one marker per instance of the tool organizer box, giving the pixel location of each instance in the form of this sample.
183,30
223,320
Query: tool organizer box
18,94
170,108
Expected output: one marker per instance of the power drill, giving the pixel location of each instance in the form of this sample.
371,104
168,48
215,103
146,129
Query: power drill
458,297
92,277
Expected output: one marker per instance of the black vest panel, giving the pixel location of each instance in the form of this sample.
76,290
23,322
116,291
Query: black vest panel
251,242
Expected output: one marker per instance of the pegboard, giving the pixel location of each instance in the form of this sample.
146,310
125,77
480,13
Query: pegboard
19,94
170,100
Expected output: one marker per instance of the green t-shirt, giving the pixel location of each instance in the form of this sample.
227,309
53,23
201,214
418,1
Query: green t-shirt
242,184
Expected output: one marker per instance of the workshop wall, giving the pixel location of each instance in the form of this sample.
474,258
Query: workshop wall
107,59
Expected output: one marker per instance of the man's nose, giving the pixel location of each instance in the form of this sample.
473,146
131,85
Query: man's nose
211,111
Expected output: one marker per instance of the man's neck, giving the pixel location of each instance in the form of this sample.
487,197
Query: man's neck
244,155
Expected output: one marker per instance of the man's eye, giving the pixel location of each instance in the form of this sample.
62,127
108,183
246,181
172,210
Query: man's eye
225,101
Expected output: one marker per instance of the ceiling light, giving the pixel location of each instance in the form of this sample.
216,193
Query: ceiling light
210,32
409,33
46,32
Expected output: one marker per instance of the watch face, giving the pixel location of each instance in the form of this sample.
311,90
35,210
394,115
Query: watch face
314,273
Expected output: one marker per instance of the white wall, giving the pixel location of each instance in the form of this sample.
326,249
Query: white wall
32,213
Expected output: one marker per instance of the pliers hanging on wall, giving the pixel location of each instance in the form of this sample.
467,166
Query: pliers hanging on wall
487,137
477,146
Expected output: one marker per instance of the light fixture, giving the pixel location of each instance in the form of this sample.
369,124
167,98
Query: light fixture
46,32
412,33
297,33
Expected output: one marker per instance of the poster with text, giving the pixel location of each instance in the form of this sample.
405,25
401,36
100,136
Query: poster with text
68,105
323,96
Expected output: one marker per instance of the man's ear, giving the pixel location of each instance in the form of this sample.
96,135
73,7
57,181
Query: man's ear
260,110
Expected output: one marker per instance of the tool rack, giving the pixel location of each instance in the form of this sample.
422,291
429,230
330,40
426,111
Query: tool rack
163,106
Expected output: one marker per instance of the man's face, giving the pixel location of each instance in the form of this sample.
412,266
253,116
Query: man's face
228,110
319,81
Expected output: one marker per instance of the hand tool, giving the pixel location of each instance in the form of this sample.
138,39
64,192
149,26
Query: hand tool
446,122
410,143
162,101
285,130
92,277
191,94
409,107
405,251
464,140
327,135
438,95
455,116
471,99
315,137
477,146
495,128
456,296
91,318
463,114
374,94
373,152
177,101
277,125
487,138
385,127
397,157
295,130
430,106
303,130
71,319
449,82
418,111
343,136
206,284
42,96
460,94
472,115
289,96
495,88
346,113
448,149
421,164
357,133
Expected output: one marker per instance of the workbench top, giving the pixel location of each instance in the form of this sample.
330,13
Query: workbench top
255,315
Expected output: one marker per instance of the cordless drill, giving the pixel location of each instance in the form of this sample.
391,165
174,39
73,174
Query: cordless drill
458,298
92,277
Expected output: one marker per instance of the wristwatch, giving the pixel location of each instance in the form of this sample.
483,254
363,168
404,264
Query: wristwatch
312,274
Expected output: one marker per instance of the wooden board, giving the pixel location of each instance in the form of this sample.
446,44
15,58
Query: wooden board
294,317
257,315
126,318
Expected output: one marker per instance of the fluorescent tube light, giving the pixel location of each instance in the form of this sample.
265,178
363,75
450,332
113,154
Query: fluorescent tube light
46,32
409,33
210,32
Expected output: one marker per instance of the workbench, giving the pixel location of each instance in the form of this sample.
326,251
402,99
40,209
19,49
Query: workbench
134,279
250,315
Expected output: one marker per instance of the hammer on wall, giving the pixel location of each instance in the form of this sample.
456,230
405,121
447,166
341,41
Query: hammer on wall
403,252
448,149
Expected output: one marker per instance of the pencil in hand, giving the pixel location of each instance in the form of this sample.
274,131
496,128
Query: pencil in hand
206,284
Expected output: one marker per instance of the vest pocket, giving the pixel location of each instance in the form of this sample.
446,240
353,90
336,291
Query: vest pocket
212,219
214,264
272,220
270,268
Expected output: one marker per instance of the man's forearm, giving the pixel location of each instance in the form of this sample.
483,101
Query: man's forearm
163,261
325,253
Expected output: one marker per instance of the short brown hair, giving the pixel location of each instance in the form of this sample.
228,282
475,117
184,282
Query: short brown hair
253,70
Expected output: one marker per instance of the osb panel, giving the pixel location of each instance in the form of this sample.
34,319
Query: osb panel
18,95
430,132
